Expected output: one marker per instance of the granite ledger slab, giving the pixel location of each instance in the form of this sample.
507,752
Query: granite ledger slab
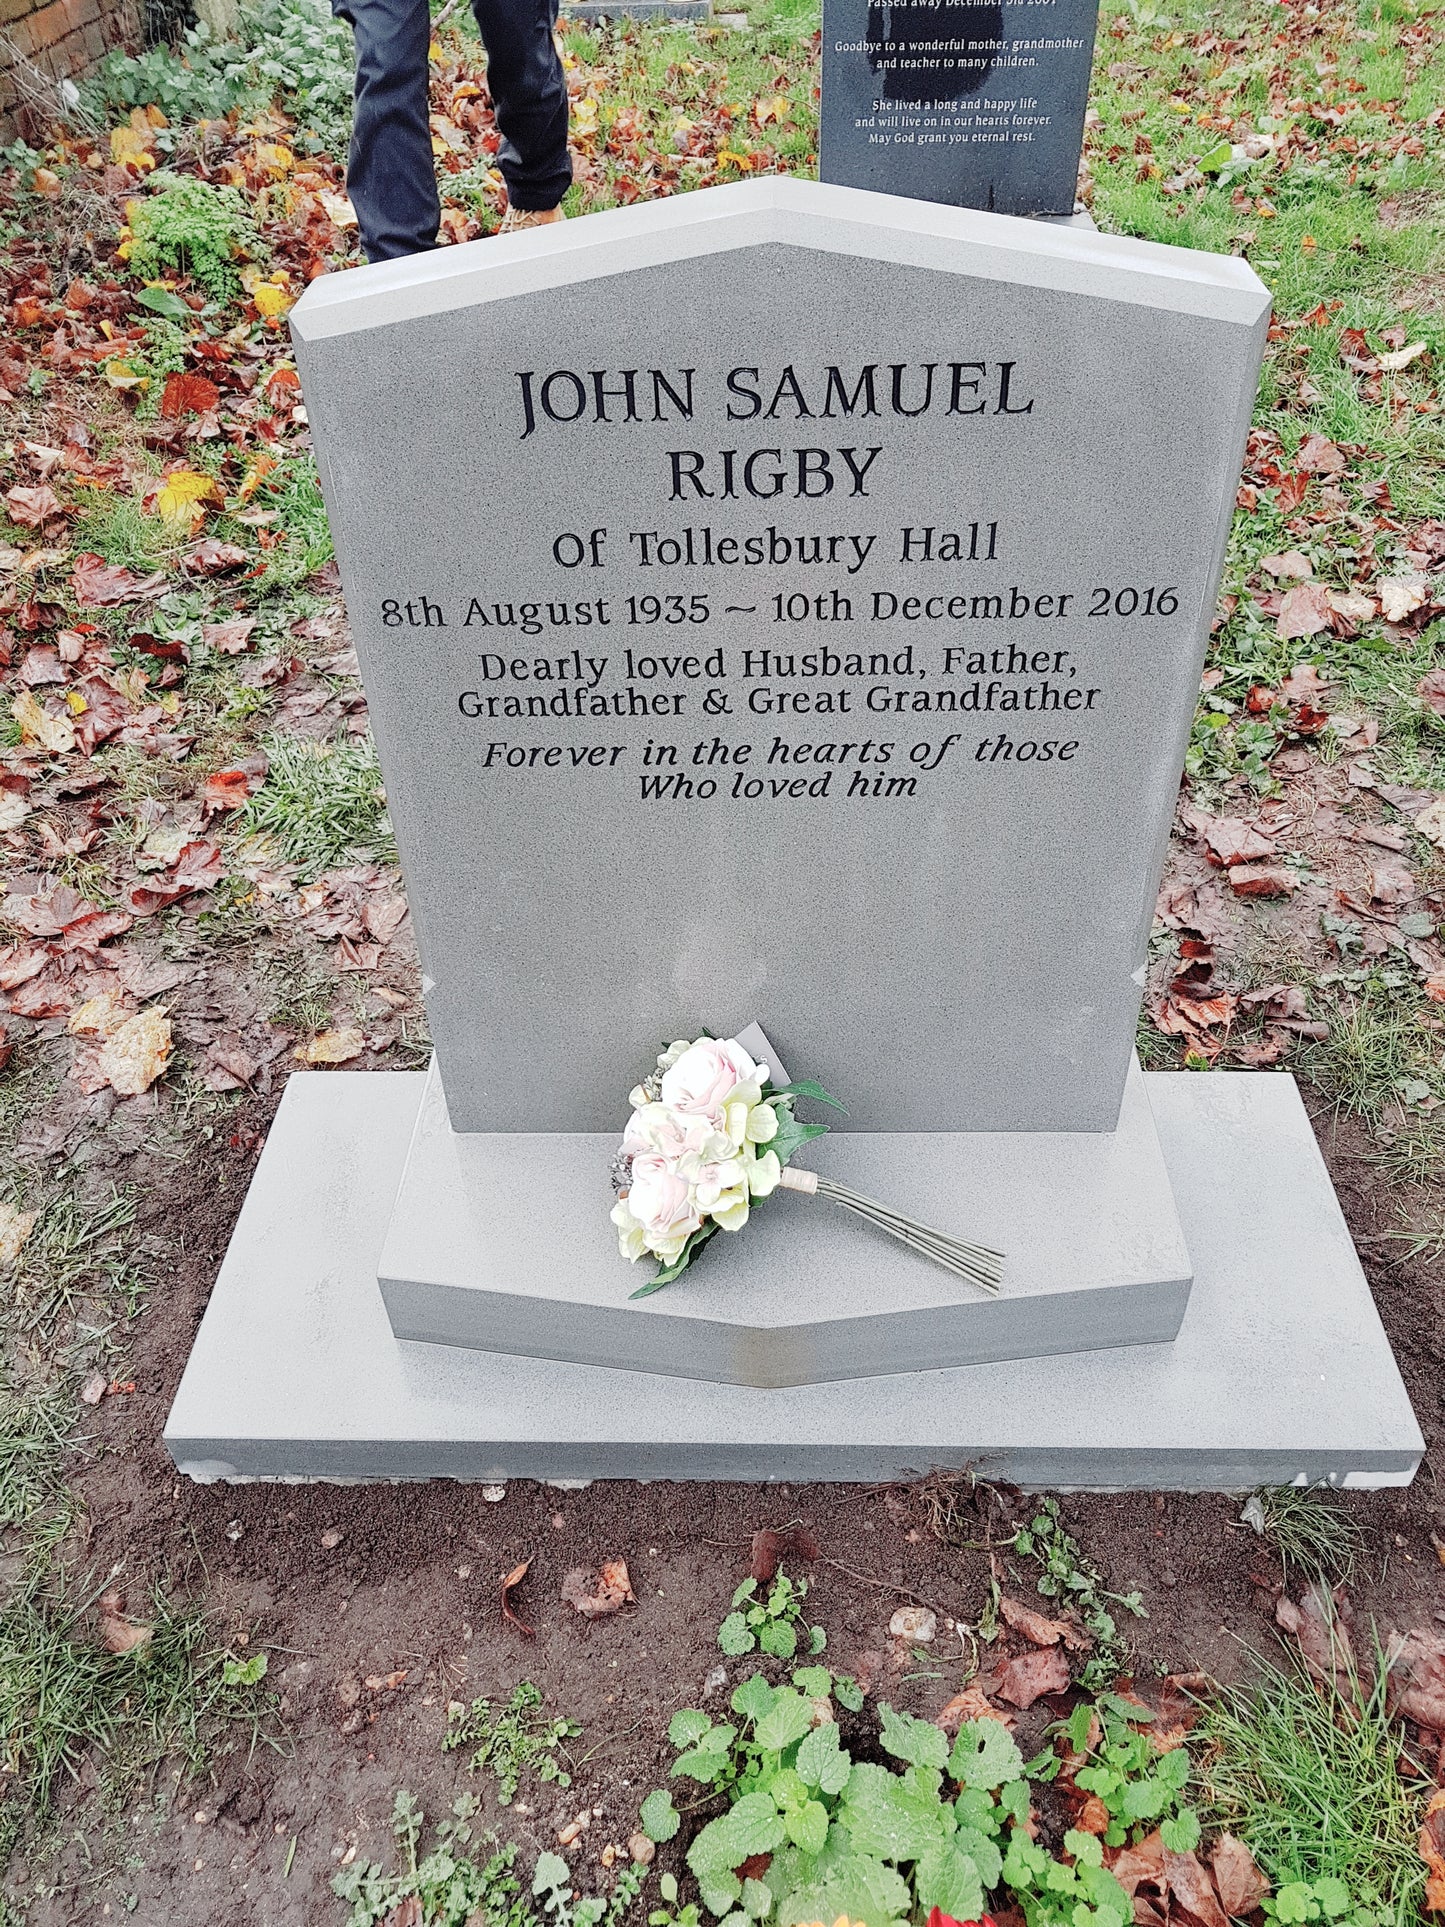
1281,1372
784,601
808,1293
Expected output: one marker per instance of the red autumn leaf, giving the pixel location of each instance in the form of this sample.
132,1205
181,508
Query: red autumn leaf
105,714
188,394
32,508
154,646
1291,492
1262,880
1231,840
1431,691
43,665
770,1547
283,390
1040,1630
96,585
226,790
1188,1880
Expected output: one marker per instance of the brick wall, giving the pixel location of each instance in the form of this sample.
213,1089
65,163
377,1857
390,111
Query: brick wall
45,41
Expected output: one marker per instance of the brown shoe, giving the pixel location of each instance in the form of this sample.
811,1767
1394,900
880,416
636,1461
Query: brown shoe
517,218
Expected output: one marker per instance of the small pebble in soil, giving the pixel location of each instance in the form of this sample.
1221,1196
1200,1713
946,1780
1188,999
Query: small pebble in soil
715,1681
332,1537
234,1530
558,1522
494,1494
641,1849
914,1623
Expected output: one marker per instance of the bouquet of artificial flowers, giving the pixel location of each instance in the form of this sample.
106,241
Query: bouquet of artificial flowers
710,1137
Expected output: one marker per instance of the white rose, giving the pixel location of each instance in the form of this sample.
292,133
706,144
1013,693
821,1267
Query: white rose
707,1075
662,1203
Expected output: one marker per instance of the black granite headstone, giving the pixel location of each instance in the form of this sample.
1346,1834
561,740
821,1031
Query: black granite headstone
978,104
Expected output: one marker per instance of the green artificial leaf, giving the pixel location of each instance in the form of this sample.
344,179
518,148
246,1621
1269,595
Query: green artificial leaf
687,1727
805,1087
914,1740
1085,1847
162,301
665,1274
821,1760
757,1900
778,1637
791,1136
815,1681
735,1636
790,1717
660,1819
984,1755
848,1693
948,1879
1181,1834
754,1697
808,1826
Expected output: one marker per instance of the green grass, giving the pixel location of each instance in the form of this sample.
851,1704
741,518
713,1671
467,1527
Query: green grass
62,1695
322,803
1311,1531
1378,1053
1314,1784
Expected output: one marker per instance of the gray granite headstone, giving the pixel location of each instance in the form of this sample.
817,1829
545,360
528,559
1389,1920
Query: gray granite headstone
784,602
979,103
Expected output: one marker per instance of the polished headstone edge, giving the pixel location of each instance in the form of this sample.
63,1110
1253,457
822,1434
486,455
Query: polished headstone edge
1063,255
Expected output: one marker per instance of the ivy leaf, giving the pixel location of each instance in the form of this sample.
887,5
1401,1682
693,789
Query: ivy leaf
948,1880
789,1719
984,1755
883,1821
1181,1834
755,1825
821,1760
778,1637
660,1819
808,1826
687,1727
914,1740
735,1636
1086,1848
754,1697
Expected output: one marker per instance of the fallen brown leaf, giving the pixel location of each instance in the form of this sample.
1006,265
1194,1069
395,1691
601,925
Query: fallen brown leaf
970,1704
135,1055
1189,1881
384,1682
1239,1880
1040,1630
1416,1662
1432,1852
1320,1624
1430,689
15,1227
510,1581
771,1547
1303,611
597,1595
332,1047
33,507
1262,880
230,637
1028,1677
119,1634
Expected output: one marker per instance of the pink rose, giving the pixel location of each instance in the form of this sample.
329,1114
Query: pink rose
661,1201
705,1077
671,1134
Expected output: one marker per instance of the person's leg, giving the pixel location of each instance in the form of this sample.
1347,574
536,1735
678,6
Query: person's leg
529,98
390,176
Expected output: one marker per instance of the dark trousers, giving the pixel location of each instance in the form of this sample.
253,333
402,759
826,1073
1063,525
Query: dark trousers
390,173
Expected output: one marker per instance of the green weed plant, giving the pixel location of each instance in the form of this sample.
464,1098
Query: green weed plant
512,1740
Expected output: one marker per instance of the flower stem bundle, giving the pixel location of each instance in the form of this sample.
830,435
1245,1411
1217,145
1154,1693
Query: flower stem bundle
710,1137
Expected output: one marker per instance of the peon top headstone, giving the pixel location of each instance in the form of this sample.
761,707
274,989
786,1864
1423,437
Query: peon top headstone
784,602
979,104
